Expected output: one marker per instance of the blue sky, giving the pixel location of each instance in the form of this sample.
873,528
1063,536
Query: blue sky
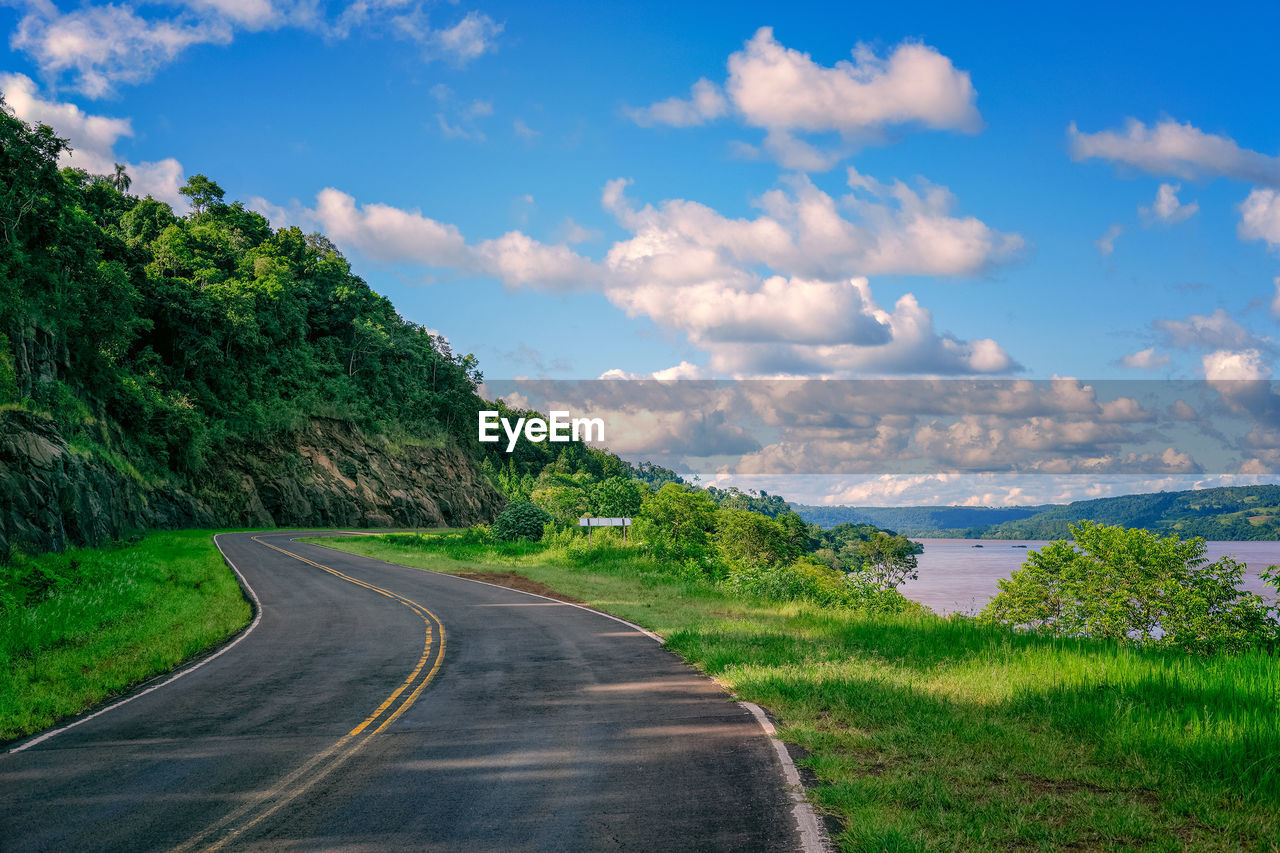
888,190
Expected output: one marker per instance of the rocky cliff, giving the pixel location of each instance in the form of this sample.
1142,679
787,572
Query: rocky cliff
327,475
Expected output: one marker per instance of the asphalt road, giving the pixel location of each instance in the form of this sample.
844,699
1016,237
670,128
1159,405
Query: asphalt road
376,707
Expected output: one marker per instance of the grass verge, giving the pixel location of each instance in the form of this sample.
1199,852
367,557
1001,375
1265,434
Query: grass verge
940,734
79,627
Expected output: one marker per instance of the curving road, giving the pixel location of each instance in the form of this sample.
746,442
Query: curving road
376,707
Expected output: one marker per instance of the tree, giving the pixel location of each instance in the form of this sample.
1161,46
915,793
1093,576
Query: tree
746,538
616,497
682,516
202,193
1128,584
120,179
886,560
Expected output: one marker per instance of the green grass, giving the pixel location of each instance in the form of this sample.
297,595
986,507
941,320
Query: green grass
940,734
80,627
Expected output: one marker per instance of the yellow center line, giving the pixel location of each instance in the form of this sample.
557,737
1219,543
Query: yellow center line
305,777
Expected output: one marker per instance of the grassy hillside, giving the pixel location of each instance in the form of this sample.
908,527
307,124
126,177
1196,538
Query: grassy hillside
931,733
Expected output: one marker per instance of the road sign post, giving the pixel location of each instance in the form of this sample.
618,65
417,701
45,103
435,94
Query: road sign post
589,523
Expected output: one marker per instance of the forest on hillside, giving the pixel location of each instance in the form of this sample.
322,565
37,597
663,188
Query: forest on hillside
162,336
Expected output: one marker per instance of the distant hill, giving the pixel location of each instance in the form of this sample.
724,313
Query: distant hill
1232,513
917,520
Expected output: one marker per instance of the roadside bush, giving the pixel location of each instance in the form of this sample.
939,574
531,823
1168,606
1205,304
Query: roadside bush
809,580
1119,583
520,520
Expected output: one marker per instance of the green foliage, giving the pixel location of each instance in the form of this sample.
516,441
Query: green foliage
616,497
166,337
8,376
1118,583
520,520
749,539
761,502
680,520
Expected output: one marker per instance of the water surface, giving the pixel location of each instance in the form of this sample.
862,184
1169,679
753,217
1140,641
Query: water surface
957,577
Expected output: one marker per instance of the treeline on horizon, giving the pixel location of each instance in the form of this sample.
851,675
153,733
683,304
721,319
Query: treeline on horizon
1233,513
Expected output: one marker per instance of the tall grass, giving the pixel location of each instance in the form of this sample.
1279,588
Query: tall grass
941,733
82,626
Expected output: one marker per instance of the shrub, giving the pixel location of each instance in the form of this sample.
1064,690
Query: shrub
520,520
1120,583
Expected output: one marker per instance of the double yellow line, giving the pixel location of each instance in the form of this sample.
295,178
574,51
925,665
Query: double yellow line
267,803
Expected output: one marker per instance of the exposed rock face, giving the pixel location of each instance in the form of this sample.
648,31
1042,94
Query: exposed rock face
329,475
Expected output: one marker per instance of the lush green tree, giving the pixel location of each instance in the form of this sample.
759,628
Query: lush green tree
746,538
120,179
682,517
616,497
520,520
202,193
563,503
1129,584
886,560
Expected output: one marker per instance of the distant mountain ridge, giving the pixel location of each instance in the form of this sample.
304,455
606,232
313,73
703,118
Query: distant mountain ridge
1229,513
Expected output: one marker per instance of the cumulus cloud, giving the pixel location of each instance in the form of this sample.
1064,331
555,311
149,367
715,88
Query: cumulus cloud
1174,148
784,292
387,233
1260,217
1167,208
1229,365
101,47
1185,151
1146,359
1218,330
93,139
705,103
785,92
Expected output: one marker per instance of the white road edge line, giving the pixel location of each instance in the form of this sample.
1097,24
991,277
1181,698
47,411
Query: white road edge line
813,837
257,617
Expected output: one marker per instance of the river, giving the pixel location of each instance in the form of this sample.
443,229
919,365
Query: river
956,577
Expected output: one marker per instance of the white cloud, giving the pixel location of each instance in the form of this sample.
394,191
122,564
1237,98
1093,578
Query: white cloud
1106,244
471,37
251,14
93,139
1207,331
1166,207
1173,148
1260,217
783,292
705,103
387,233
1146,359
776,87
785,92
1275,300
101,47
1234,365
